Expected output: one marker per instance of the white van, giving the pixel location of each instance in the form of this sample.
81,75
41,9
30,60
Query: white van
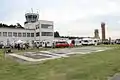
95,41
78,42
38,43
47,44
90,41
87,41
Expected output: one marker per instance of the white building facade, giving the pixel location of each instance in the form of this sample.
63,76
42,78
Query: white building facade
33,30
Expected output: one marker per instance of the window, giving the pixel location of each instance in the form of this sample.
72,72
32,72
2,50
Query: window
95,41
10,34
85,40
24,34
0,33
14,34
37,26
28,34
19,35
90,40
32,34
37,34
46,26
30,16
59,42
5,34
37,42
47,33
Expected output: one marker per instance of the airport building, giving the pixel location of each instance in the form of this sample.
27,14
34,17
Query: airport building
96,34
33,30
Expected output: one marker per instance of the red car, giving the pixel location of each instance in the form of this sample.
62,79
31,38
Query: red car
61,44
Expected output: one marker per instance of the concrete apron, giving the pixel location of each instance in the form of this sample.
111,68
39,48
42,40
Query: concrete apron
51,55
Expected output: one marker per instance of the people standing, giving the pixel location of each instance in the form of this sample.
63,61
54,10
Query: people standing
18,46
24,46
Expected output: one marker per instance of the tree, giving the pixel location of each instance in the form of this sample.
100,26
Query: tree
19,25
11,26
56,34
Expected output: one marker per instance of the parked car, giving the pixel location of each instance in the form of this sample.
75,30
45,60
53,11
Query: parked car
38,44
78,42
106,41
112,42
117,41
60,44
87,41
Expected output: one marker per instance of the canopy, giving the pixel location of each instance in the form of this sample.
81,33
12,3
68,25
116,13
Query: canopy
19,41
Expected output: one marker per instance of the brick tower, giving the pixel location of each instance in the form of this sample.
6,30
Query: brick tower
103,31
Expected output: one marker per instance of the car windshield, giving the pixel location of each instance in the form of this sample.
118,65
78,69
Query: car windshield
85,40
61,42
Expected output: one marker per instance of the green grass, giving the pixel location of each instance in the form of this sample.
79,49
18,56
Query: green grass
110,45
86,67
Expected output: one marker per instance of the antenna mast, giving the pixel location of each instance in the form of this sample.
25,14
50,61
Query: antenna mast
32,10
37,11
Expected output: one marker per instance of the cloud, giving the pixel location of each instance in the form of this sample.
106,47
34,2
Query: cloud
71,17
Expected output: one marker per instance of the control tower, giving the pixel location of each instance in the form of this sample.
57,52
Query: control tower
43,29
31,20
31,17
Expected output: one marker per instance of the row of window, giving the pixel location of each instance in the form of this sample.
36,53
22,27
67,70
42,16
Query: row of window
47,26
19,34
47,33
44,34
15,34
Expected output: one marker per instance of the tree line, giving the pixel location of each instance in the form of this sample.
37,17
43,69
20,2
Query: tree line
18,25
57,35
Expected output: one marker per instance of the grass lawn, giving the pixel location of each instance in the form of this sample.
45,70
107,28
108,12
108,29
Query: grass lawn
86,67
110,45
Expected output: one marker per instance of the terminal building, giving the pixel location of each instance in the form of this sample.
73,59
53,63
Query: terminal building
33,30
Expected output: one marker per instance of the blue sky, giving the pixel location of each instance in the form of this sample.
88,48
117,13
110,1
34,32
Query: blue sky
71,17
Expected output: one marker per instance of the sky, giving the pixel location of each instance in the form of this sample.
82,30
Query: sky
71,17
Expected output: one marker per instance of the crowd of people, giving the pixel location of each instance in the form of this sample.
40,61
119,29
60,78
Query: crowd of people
21,46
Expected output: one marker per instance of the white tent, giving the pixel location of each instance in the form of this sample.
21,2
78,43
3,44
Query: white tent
19,42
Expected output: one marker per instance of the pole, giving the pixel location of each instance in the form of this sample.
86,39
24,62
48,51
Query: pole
4,52
39,31
32,10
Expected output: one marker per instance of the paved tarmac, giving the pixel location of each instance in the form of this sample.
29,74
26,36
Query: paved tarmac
116,77
56,53
79,49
